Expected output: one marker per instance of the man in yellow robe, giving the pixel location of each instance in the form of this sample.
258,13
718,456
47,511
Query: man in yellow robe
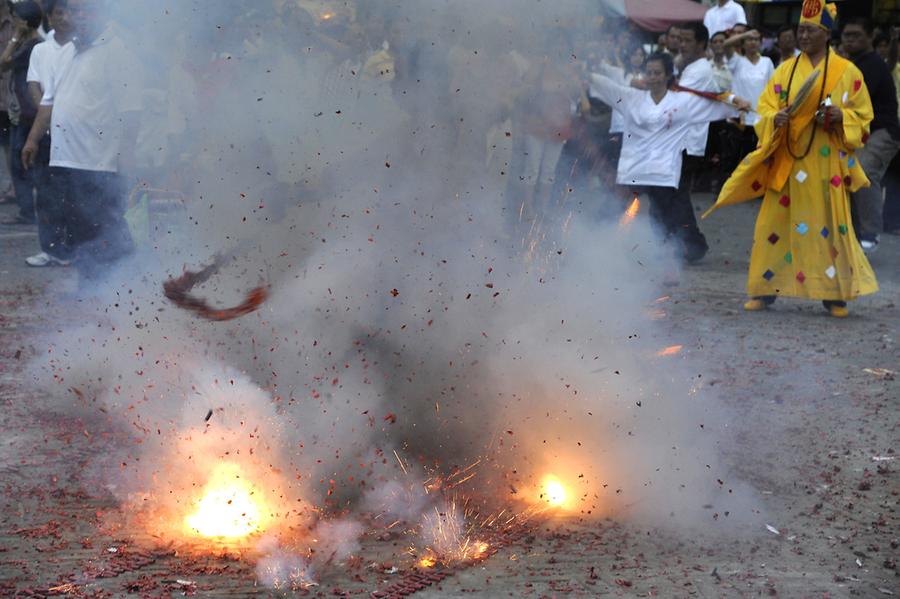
804,244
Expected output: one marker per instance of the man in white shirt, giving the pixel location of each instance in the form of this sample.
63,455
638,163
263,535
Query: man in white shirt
697,75
48,61
92,110
723,16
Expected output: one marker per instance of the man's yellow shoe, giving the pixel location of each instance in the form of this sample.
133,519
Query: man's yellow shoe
755,305
839,311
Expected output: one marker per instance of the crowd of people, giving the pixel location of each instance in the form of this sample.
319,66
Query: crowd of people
573,115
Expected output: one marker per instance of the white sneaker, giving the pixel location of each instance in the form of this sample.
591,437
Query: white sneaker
45,259
869,245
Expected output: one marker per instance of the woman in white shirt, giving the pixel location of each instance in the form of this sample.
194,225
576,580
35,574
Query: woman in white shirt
657,121
750,71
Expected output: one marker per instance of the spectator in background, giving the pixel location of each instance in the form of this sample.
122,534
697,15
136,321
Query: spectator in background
673,43
751,71
719,131
882,45
49,61
719,61
7,30
724,16
787,43
101,91
631,73
884,138
661,43
27,17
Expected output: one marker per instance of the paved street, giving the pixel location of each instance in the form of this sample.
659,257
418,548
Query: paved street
814,432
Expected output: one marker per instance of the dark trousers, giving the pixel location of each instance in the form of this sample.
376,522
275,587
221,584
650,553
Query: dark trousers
25,181
674,218
89,210
681,220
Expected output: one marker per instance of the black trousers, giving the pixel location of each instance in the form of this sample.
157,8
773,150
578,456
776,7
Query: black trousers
88,210
673,210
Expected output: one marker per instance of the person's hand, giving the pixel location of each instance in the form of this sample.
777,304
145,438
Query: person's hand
782,117
29,154
742,104
835,115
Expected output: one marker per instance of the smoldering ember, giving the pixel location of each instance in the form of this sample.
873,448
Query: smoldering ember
449,298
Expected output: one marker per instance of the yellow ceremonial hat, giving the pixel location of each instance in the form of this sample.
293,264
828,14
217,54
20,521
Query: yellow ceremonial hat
819,13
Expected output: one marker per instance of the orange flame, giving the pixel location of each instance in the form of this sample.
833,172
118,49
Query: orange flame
633,209
230,507
554,493
669,351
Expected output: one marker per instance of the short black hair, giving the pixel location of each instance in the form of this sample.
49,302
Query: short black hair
701,33
717,33
864,22
785,29
29,11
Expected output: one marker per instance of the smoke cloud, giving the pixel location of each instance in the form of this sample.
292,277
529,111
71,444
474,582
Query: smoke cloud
409,312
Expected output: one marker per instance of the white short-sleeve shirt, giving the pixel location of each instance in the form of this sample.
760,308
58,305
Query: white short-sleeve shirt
49,61
749,81
698,76
102,83
722,18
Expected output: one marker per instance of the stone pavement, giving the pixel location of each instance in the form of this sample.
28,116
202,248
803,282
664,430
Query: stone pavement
815,432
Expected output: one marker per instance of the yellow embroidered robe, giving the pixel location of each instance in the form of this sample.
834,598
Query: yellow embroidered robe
804,244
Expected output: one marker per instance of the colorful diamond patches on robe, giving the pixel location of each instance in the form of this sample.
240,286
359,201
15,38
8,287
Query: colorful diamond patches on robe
834,253
848,181
789,257
842,154
802,228
830,272
857,85
842,229
756,185
825,151
785,201
836,181
773,238
824,232
801,277
852,162
768,275
845,97
801,176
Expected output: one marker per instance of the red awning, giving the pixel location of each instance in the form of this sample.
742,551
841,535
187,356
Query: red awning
657,15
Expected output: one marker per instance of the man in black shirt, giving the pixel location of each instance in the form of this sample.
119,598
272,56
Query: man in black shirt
884,138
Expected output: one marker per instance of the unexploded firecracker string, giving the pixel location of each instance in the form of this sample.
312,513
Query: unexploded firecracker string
178,292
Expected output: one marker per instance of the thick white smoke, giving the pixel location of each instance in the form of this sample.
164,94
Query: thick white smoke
407,311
